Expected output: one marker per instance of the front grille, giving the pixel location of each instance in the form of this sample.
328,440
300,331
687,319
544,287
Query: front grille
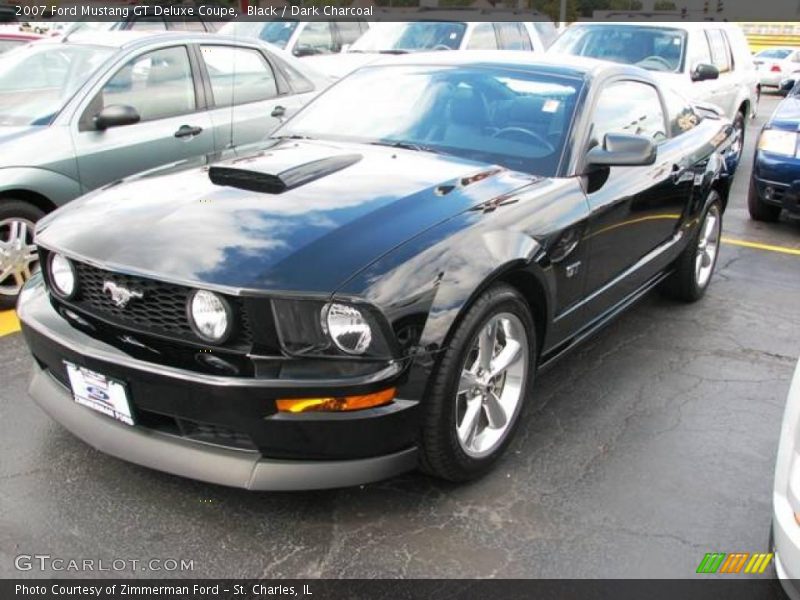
161,310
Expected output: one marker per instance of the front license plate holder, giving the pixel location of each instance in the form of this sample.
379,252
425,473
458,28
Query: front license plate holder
99,392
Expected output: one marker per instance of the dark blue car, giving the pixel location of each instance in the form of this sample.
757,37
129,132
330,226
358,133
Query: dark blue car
775,183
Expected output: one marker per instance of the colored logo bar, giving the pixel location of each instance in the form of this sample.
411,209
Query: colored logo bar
736,562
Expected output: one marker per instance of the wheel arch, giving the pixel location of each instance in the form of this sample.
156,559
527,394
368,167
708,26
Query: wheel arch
36,199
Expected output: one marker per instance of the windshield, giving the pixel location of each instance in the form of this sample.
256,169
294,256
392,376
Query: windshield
518,120
653,48
774,53
277,33
411,37
36,80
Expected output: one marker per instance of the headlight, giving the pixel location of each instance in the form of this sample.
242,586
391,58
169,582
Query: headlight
347,327
210,316
62,276
310,327
777,141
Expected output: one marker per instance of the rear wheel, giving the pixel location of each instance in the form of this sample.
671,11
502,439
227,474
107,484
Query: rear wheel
18,258
737,147
480,387
760,210
695,266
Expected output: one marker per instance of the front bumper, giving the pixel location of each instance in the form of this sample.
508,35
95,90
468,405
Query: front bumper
777,180
285,451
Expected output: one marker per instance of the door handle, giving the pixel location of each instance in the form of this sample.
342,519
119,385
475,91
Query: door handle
188,131
278,112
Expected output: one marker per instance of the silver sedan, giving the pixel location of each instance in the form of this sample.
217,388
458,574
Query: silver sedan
81,112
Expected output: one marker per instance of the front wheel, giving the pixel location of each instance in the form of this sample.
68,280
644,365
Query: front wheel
695,266
479,388
18,258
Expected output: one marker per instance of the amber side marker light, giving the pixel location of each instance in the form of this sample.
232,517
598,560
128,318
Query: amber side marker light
335,404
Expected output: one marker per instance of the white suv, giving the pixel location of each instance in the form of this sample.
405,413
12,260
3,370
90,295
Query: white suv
417,36
707,61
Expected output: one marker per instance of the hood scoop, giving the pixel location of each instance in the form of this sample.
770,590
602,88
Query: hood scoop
270,183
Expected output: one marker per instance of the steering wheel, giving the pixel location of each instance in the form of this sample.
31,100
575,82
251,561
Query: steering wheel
514,133
657,59
441,47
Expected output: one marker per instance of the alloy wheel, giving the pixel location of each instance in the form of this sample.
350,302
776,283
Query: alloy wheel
491,385
18,258
707,246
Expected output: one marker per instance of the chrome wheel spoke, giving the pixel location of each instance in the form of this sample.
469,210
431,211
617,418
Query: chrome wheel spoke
468,382
495,413
469,423
486,344
507,357
6,273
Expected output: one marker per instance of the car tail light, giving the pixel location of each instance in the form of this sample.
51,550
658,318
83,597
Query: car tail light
776,68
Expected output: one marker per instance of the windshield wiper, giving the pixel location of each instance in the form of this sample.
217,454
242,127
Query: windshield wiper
406,146
397,51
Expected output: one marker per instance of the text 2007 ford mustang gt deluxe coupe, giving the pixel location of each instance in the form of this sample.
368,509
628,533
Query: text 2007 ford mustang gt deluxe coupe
376,288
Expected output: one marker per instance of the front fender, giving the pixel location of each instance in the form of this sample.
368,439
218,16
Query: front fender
57,188
423,286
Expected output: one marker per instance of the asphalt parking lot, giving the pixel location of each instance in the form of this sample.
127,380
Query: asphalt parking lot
649,447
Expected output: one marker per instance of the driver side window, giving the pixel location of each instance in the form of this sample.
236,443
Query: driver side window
629,107
158,85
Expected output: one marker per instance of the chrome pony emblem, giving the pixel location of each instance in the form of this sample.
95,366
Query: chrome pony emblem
120,296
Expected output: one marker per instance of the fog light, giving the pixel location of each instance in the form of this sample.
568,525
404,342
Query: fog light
336,404
62,276
769,192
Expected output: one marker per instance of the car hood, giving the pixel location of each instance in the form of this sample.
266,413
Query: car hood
346,205
787,115
14,140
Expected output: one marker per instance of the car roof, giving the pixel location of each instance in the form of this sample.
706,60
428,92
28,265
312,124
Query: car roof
127,39
687,25
556,64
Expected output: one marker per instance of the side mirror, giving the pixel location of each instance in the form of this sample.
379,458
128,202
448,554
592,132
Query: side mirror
345,48
300,51
704,72
623,150
116,115
787,85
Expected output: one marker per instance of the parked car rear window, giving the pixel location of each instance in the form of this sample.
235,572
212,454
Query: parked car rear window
410,37
37,80
776,53
653,48
519,120
238,75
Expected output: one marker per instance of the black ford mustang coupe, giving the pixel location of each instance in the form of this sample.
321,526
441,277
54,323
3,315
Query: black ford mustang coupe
374,288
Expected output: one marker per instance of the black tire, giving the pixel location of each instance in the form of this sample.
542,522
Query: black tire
10,209
760,210
683,283
441,453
